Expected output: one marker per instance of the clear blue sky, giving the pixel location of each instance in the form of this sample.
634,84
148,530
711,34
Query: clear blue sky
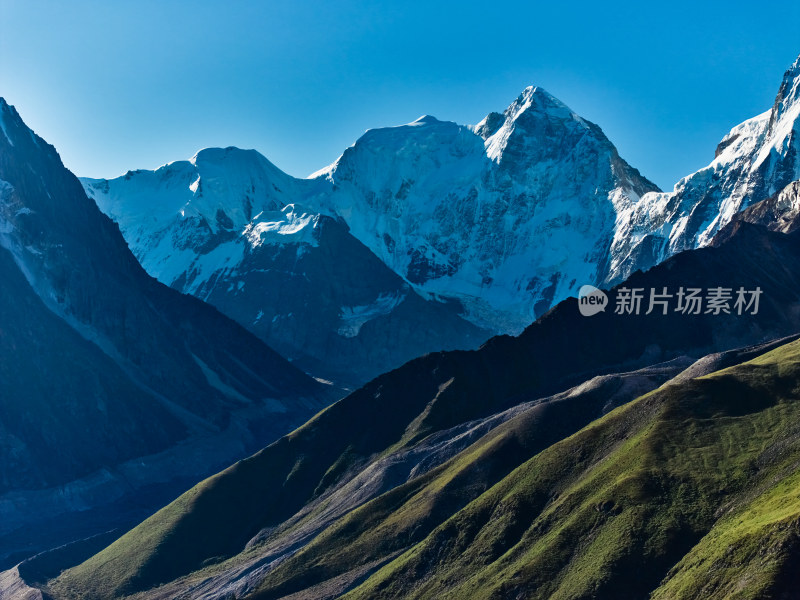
123,85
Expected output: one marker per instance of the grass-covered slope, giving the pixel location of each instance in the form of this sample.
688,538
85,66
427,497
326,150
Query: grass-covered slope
217,517
214,519
691,491
403,516
695,483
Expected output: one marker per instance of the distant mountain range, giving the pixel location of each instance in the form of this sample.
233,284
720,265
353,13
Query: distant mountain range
450,233
476,229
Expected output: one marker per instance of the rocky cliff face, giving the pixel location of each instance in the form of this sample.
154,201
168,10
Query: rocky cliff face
508,217
779,212
754,161
230,228
102,365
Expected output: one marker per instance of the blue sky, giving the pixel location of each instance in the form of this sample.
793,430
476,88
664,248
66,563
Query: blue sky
124,85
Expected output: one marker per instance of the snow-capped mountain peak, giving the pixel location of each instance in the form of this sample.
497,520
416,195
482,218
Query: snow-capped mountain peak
788,98
755,160
425,119
506,216
537,100
187,217
532,115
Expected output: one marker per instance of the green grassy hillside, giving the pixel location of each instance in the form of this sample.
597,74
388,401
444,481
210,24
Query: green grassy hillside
692,491
216,517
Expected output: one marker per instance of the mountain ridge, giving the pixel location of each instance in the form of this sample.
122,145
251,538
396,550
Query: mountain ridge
109,366
754,161
491,224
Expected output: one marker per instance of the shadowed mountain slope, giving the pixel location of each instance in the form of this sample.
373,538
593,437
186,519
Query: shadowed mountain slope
103,365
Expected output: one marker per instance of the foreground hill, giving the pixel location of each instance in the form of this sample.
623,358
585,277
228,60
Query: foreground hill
688,492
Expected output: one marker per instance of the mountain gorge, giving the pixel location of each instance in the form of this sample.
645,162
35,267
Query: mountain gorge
112,386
